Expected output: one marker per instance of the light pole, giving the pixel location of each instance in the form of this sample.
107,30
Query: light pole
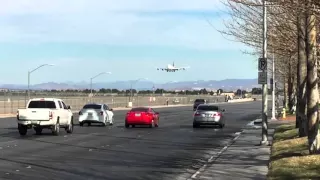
95,77
167,83
264,133
132,83
29,72
273,91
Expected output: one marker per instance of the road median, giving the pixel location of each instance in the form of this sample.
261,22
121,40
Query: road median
241,100
290,157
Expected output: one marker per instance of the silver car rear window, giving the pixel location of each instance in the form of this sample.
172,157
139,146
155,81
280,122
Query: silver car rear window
208,108
92,106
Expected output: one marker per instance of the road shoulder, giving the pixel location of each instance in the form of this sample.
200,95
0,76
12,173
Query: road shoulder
244,158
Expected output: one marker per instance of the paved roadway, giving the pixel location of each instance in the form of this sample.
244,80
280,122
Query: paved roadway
173,151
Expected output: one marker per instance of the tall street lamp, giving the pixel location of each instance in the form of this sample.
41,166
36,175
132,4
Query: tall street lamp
167,83
133,83
95,77
29,72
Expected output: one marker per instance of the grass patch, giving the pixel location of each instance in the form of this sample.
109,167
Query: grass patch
290,157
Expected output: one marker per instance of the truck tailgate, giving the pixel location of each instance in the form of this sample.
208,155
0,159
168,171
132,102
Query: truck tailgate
34,114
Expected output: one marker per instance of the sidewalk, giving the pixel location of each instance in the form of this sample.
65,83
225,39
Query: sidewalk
243,159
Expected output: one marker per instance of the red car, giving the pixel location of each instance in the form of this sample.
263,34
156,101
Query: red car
142,116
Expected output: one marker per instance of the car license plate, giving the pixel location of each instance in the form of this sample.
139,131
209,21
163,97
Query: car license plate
90,114
208,115
35,122
138,114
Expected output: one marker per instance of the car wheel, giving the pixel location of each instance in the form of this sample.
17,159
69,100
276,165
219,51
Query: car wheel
111,123
69,129
152,124
22,129
56,129
104,122
38,130
126,125
195,125
81,124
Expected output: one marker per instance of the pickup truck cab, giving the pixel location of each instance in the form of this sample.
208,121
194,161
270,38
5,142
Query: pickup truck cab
41,113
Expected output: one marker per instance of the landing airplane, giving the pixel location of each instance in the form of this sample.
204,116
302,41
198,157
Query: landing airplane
172,68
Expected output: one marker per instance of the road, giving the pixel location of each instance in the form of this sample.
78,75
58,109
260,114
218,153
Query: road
173,151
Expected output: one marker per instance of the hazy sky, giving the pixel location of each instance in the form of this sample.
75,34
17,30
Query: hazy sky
127,37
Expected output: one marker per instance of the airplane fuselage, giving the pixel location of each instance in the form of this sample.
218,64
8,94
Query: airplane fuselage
171,68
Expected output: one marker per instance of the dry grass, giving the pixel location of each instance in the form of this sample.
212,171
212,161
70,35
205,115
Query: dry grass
290,157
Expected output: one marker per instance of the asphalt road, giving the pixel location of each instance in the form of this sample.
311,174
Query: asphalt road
173,151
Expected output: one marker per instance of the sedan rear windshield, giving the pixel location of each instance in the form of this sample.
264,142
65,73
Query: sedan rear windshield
92,106
140,109
42,104
208,108
199,101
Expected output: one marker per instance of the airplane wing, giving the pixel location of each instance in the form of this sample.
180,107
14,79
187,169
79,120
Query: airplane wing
161,69
183,68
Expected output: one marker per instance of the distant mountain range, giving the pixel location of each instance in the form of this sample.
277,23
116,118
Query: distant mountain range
227,84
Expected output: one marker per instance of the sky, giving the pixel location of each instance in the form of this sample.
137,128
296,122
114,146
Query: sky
128,38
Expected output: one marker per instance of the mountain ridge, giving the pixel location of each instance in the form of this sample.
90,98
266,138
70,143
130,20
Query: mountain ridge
189,85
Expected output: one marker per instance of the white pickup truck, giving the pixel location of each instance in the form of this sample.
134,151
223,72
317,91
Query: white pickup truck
40,113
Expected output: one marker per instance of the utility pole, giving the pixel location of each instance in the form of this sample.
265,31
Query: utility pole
273,91
264,140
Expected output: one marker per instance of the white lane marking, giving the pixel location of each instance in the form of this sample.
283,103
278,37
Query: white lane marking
211,159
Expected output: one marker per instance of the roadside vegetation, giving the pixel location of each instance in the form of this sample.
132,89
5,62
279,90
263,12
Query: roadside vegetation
290,158
292,34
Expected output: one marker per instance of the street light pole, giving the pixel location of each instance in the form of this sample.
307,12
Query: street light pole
29,73
95,77
264,140
273,90
131,85
167,83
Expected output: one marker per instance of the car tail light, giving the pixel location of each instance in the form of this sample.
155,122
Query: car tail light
50,115
101,113
197,114
217,114
80,113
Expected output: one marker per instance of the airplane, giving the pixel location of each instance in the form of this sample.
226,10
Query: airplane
172,68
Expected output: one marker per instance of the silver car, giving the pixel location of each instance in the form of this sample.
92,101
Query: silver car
207,114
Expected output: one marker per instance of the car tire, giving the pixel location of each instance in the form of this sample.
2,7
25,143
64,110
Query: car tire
111,124
195,125
69,129
38,130
152,124
56,129
22,129
126,125
104,123
81,124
